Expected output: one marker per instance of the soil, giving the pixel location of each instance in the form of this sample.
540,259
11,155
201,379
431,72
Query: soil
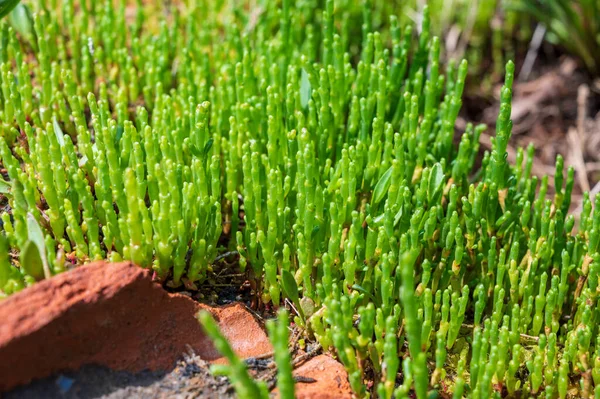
190,379
320,377
107,330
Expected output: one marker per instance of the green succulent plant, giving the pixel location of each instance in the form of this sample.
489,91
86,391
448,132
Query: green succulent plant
6,6
333,171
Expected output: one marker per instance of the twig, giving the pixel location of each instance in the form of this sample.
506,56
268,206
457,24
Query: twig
255,313
452,38
225,255
230,275
223,285
592,167
532,52
263,356
526,337
291,305
465,37
297,332
305,356
583,94
305,380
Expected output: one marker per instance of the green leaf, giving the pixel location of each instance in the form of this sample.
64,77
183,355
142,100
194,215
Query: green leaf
22,21
398,216
31,260
34,231
207,147
4,187
20,201
289,285
363,291
83,161
6,6
308,306
118,135
291,290
4,44
379,219
305,89
382,186
36,235
315,231
71,194
220,369
60,136
204,153
435,182
195,151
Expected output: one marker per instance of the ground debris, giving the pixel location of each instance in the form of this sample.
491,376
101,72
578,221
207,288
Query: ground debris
191,378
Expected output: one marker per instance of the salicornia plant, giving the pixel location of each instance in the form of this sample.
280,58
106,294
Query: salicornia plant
245,386
279,336
333,169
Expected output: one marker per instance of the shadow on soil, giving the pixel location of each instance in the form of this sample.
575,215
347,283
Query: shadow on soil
191,378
